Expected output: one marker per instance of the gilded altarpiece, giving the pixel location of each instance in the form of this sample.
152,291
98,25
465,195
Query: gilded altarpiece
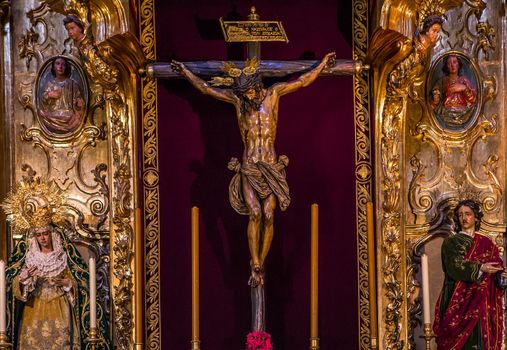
93,155
431,154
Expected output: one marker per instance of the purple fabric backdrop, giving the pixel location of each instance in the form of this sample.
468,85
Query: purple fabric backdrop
198,136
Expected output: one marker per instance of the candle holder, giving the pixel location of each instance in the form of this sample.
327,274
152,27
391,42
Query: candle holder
195,345
93,338
373,343
4,341
314,344
428,335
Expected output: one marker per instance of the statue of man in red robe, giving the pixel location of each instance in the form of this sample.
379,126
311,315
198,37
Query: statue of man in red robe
469,313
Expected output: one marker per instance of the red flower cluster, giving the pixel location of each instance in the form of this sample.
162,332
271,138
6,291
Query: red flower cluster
258,341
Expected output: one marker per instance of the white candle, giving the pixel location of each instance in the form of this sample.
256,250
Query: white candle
93,294
2,297
425,289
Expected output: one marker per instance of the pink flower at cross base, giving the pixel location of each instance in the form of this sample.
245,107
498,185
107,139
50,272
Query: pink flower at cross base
258,341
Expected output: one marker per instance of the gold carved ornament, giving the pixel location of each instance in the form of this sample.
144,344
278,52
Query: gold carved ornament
363,166
399,63
150,181
34,203
109,65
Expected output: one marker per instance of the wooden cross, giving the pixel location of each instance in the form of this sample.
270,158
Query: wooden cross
253,32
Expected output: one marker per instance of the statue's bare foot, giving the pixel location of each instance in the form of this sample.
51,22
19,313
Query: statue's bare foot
257,275
256,279
255,266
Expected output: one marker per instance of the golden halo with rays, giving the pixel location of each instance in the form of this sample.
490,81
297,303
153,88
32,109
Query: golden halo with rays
34,203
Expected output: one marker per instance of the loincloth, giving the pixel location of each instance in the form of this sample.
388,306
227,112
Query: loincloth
264,178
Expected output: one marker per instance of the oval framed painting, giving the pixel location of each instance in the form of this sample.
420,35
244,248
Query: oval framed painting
453,91
61,96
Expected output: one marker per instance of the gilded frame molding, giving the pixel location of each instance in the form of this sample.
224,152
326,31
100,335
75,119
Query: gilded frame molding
150,176
363,164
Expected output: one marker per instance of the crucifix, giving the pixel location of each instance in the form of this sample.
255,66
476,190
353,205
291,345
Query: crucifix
259,183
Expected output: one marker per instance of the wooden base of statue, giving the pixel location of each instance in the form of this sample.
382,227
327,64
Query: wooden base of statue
258,308
4,341
93,339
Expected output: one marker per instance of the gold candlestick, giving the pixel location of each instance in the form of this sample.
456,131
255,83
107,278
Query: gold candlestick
314,285
4,341
93,338
139,279
195,342
370,219
428,335
195,345
314,344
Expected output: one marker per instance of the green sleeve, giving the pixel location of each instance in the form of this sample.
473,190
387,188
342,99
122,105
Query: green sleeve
453,258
